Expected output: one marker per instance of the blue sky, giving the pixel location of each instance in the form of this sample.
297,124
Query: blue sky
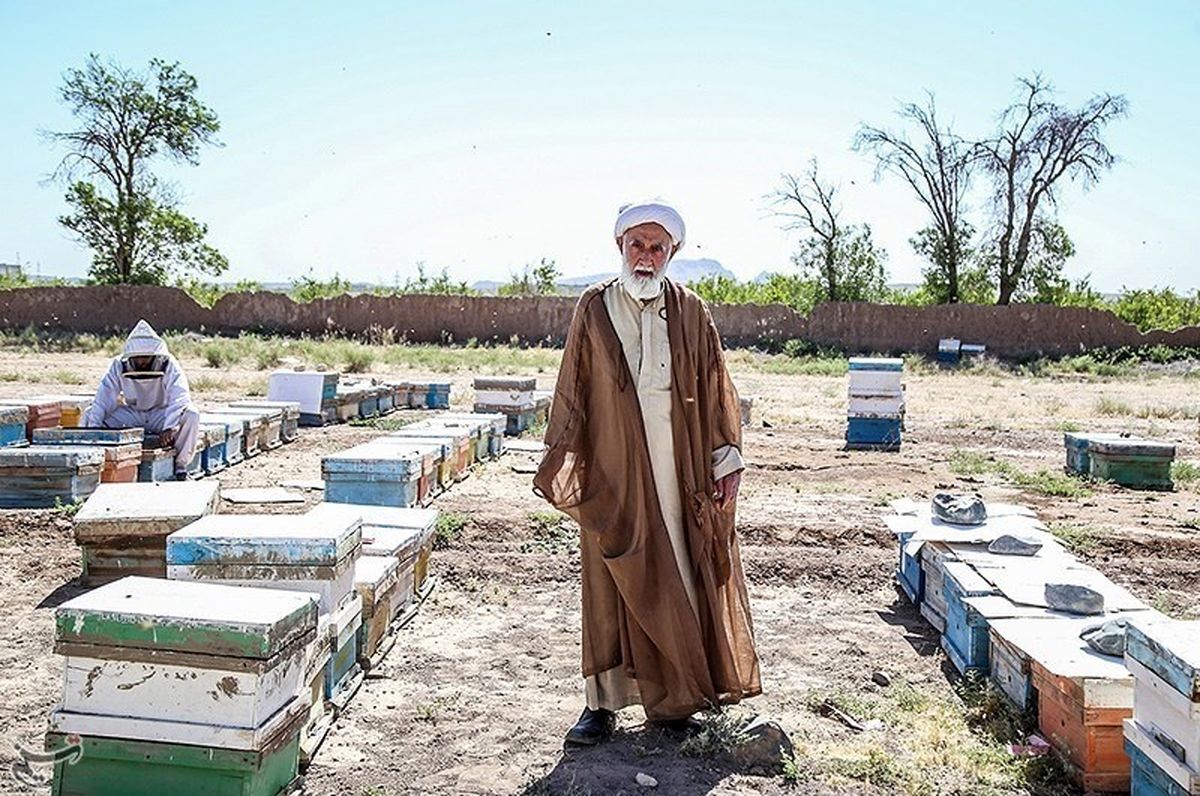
363,138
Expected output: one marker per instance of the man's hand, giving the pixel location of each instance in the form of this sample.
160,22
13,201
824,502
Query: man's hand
725,490
167,437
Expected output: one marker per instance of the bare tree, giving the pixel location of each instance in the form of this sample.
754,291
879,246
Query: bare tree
938,169
1039,143
842,257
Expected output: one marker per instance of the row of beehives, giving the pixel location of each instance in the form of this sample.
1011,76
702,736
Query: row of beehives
875,414
48,459
1097,710
226,675
329,397
516,397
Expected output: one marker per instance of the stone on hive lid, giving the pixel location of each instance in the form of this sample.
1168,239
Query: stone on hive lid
1107,638
1009,545
1074,599
959,509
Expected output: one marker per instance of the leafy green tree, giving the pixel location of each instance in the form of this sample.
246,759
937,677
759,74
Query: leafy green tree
308,287
439,285
840,259
539,280
120,210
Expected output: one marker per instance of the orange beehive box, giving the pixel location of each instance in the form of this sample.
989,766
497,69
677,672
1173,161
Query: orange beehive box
1082,718
121,463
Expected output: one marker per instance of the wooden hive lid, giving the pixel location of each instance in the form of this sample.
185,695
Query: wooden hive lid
1170,648
1130,446
14,413
184,616
238,422
375,573
876,363
402,543
498,383
264,414
69,457
88,436
264,539
171,504
288,408
400,461
373,517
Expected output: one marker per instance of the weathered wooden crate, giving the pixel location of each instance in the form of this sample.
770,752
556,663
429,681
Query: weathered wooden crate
268,418
289,428
235,434
1154,770
157,465
1132,462
122,528
13,420
1009,669
873,433
375,474
343,668
316,663
432,456
186,682
1083,698
1169,649
445,458
505,391
122,448
42,411
429,395
375,579
123,767
933,606
462,453
1076,446
42,476
278,551
965,636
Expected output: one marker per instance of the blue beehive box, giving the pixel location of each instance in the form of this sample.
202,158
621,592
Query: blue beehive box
429,395
373,475
158,464
909,575
876,363
1146,777
234,434
1076,445
213,455
41,476
965,637
12,425
949,350
873,433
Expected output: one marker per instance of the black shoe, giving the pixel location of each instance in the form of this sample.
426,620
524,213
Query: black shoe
685,726
593,727
181,475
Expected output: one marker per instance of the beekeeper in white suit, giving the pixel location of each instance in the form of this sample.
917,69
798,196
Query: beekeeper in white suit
146,388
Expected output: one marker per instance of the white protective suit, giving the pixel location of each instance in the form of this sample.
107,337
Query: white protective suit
154,400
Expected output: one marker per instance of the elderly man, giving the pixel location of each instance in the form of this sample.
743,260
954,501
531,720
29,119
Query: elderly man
146,388
643,451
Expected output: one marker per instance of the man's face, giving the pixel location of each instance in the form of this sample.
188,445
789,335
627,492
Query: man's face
141,363
646,249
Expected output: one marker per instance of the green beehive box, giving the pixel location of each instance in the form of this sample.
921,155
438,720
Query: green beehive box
120,767
1138,463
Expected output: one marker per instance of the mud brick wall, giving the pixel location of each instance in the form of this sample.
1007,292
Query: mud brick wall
1016,331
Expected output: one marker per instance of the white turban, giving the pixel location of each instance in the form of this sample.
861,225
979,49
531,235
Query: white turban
655,212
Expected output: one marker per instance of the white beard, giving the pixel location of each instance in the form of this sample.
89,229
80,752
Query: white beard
642,288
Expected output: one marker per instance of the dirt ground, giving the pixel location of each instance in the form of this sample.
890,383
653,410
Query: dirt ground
476,696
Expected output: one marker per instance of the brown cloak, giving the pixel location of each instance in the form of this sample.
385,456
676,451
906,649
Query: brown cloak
636,614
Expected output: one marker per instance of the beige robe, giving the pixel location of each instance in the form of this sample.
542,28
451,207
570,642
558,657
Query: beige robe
642,329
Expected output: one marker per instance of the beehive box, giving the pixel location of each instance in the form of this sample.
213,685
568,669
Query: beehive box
477,430
220,656
348,401
375,474
41,412
157,465
278,551
343,668
508,391
445,458
1076,446
315,391
254,428
71,408
870,405
122,528
375,580
289,428
495,424
909,574
433,456
42,476
1131,462
462,452
13,420
965,637
933,606
122,448
123,767
268,419
1082,697
873,433
429,395
214,455
235,434
1154,769
1164,658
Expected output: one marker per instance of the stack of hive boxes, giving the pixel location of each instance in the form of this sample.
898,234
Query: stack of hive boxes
287,552
181,688
428,394
122,529
1163,736
43,411
289,411
43,476
235,427
492,427
314,391
461,449
876,407
511,396
122,448
12,426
